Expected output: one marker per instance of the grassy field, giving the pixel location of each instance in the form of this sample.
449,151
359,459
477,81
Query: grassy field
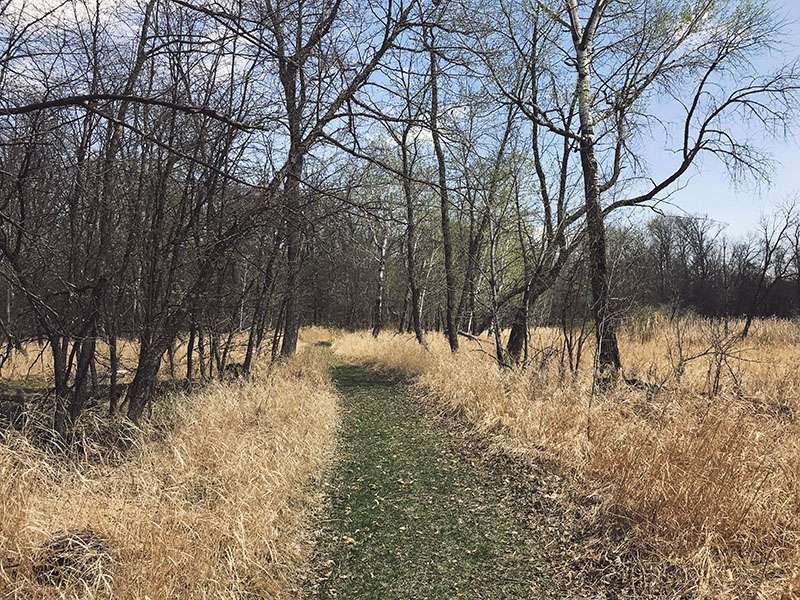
698,460
211,501
702,463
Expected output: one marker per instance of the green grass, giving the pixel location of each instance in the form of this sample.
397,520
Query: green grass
411,517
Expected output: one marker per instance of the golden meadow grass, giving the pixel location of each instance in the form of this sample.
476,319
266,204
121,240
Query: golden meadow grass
707,474
217,508
35,361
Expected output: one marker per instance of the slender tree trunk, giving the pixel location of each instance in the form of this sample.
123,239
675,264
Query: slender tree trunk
498,342
381,277
80,392
59,351
113,361
411,241
276,336
450,277
215,353
291,328
404,312
201,352
466,306
171,360
251,338
190,348
87,352
427,266
93,371
226,349
608,360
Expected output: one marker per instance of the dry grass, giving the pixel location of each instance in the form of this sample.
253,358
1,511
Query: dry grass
706,469
35,361
216,508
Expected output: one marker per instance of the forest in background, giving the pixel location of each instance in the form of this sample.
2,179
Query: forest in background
182,172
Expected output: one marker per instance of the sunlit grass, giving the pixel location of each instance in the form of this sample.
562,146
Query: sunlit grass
214,507
705,468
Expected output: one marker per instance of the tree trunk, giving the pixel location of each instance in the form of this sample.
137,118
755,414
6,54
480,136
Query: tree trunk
190,348
291,328
87,352
80,392
251,338
404,312
58,348
466,306
113,361
381,277
201,352
450,278
276,336
608,360
518,338
410,241
171,359
498,344
143,386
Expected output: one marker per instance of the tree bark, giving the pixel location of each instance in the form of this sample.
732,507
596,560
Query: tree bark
518,337
291,191
381,277
410,240
142,388
113,362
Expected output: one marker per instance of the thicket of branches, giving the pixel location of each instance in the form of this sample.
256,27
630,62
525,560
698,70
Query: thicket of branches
207,171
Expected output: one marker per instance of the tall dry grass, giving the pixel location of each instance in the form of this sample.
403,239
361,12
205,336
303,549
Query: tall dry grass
34,361
704,468
216,506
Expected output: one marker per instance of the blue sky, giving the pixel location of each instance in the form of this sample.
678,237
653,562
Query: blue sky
709,190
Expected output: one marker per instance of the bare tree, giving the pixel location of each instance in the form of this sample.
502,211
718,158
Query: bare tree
610,61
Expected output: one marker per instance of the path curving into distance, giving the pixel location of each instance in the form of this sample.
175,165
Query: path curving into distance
411,516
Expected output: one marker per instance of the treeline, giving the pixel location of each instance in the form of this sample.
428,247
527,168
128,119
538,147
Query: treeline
151,157
678,264
689,263
212,172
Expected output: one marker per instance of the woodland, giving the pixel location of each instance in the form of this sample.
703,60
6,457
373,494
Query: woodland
194,170
187,185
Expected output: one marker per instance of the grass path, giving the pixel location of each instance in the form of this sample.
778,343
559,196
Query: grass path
412,517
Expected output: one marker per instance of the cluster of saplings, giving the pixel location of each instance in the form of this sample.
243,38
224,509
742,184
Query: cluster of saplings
218,173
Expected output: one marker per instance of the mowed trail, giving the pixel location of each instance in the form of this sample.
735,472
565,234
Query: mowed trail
411,516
